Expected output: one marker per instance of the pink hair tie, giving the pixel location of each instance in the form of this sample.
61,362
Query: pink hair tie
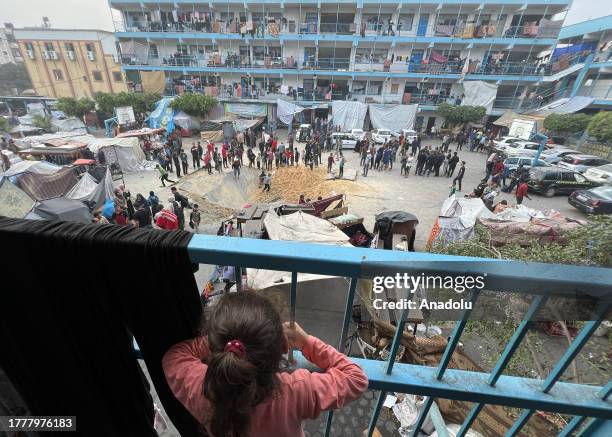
236,347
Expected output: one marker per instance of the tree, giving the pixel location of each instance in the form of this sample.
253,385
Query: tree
461,114
140,102
75,107
601,127
567,123
14,77
42,122
194,104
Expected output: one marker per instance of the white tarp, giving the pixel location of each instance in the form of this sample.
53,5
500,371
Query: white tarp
479,93
466,209
39,167
349,115
88,190
71,124
14,202
186,121
563,106
305,228
392,117
286,110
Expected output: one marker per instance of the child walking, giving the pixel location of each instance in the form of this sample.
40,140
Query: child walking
231,380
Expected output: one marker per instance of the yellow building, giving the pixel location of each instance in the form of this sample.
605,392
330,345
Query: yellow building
71,63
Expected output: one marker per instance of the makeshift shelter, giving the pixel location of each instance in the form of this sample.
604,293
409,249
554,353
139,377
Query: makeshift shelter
349,115
92,192
163,115
392,117
479,93
14,202
303,227
70,124
42,180
141,132
457,219
563,106
61,209
389,223
509,116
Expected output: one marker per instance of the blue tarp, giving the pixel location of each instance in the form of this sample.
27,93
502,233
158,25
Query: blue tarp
573,49
162,115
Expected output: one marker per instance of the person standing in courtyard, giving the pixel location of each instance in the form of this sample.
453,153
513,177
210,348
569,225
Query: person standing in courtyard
266,182
452,163
236,167
184,161
163,175
195,156
341,166
330,162
460,175
521,192
366,165
194,218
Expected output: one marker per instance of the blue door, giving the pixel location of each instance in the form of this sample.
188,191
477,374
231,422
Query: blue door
416,56
422,28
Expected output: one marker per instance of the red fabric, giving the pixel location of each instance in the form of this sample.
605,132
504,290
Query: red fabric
498,168
521,191
167,220
302,395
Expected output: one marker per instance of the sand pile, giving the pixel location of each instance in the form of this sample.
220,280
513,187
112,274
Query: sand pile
289,182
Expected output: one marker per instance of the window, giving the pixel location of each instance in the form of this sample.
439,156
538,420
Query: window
58,75
394,88
153,52
69,47
49,46
579,178
375,87
405,22
97,76
117,77
90,47
568,177
29,46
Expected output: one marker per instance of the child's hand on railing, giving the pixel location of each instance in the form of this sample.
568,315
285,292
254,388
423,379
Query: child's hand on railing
296,336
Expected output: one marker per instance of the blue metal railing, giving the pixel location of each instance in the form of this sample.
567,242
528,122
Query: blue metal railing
541,280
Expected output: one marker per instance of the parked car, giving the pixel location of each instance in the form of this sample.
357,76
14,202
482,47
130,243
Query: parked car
409,135
550,181
524,148
513,162
381,135
600,175
303,133
582,163
348,142
357,134
504,141
597,200
553,156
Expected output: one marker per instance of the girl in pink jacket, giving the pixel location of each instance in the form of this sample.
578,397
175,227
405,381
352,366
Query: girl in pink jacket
231,379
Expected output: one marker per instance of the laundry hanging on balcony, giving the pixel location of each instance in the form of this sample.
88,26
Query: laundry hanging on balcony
65,329
286,110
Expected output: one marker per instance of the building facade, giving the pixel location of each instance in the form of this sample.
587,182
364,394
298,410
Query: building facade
9,49
70,63
591,41
314,52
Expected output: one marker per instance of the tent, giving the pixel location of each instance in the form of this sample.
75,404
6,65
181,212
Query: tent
71,124
303,227
457,219
509,116
42,180
392,117
186,121
140,132
349,115
91,192
62,209
563,106
14,202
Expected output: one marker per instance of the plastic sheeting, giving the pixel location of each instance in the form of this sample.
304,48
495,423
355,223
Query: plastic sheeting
162,115
465,209
92,192
71,124
14,202
286,110
349,115
186,121
39,167
392,117
62,209
303,227
563,106
479,93
247,109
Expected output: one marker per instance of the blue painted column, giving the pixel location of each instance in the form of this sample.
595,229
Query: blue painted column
581,75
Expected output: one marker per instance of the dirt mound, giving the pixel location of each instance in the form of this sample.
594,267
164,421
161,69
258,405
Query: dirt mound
289,182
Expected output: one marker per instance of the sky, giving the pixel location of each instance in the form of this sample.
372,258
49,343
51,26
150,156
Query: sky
96,14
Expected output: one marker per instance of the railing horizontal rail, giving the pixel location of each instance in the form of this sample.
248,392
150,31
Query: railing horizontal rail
518,276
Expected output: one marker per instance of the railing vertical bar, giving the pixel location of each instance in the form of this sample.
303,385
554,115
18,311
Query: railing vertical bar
520,422
571,426
374,419
516,339
454,340
438,421
348,311
583,337
292,301
328,422
422,416
606,391
238,276
467,423
590,427
397,338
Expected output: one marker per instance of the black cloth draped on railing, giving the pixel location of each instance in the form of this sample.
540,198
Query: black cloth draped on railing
71,295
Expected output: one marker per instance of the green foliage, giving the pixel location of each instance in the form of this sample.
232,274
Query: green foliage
601,127
586,245
75,107
194,104
4,125
42,122
461,114
140,102
567,123
14,76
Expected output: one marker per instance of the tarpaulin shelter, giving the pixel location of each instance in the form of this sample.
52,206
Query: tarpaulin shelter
92,192
141,132
303,227
389,223
392,117
285,111
42,180
349,115
563,106
14,202
61,209
509,116
163,115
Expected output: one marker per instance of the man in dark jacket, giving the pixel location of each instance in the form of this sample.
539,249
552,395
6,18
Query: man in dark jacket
460,175
452,163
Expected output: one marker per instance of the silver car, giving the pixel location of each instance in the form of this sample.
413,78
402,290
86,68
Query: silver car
600,175
553,156
582,163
